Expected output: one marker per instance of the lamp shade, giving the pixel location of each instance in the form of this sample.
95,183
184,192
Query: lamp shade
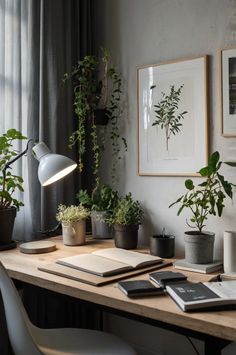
52,167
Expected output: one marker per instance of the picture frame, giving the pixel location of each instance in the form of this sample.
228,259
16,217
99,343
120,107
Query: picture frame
178,147
228,91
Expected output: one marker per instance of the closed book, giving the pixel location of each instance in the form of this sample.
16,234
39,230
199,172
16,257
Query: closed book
137,288
204,295
166,277
201,268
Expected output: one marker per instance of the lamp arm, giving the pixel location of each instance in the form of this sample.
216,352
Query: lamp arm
16,158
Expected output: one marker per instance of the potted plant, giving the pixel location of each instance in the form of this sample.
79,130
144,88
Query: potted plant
126,218
9,184
73,223
97,96
204,199
102,203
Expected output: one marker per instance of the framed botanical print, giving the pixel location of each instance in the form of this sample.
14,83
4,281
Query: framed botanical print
172,117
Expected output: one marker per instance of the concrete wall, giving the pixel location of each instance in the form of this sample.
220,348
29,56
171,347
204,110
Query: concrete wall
142,32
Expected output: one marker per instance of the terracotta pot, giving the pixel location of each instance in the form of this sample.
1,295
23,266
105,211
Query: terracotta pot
74,233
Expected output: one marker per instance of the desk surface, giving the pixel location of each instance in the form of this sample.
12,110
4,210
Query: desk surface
23,267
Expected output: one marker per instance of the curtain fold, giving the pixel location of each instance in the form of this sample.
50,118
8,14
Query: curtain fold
40,40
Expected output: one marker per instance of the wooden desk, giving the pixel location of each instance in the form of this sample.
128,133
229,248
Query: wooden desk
213,327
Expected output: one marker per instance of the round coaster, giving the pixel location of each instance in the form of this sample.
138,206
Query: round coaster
38,247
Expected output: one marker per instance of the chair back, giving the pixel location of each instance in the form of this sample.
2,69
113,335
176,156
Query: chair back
18,324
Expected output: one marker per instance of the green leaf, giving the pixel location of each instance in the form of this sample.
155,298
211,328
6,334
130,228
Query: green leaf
189,184
213,159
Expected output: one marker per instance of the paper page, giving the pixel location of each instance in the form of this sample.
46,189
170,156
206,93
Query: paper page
128,257
94,264
225,289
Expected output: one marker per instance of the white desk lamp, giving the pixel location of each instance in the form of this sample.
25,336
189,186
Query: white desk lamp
52,167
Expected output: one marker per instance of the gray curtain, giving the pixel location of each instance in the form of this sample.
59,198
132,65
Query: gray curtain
60,32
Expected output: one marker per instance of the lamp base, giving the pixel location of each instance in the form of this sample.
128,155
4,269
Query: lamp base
11,245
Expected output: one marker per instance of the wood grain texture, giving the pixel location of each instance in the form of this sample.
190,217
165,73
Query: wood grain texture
24,267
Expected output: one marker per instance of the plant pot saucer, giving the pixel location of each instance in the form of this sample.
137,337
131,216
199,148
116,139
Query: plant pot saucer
11,245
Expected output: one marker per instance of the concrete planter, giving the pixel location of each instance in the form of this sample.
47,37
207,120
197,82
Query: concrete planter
126,237
100,228
74,233
199,247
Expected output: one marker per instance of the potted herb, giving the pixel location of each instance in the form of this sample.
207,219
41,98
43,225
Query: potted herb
204,199
9,184
162,245
102,203
73,223
97,96
126,218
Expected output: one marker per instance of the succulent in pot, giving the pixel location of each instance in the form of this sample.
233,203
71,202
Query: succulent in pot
126,218
10,183
204,199
73,223
102,203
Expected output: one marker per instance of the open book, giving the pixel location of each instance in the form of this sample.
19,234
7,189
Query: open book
110,261
204,296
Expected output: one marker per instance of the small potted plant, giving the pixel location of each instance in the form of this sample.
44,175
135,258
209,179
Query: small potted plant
9,184
73,220
204,199
102,203
126,218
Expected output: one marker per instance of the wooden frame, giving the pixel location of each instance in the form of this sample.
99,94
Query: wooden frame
187,149
228,91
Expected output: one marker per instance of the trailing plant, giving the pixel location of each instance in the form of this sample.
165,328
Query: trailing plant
97,85
104,199
70,214
9,182
167,115
127,212
206,198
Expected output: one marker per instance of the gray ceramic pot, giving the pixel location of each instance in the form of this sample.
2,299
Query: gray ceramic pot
199,247
100,228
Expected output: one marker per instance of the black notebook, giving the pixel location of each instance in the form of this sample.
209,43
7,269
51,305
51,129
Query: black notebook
136,288
167,277
207,295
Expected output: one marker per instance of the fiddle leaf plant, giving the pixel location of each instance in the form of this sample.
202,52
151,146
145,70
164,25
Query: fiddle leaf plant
9,182
167,115
206,198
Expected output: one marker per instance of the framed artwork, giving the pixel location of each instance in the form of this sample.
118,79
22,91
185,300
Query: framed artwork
172,117
228,91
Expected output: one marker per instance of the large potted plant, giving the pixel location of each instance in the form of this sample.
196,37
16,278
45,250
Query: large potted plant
73,223
126,218
204,199
97,102
9,184
102,203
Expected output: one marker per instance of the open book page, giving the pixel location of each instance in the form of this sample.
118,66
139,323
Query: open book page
131,258
94,264
225,289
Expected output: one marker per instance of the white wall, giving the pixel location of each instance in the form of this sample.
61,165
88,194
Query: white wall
142,32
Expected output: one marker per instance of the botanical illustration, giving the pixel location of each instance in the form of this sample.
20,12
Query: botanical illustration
167,115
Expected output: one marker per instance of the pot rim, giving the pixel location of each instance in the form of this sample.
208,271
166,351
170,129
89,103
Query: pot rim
195,233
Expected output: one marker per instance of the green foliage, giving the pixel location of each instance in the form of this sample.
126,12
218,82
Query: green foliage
167,114
9,183
70,214
207,198
127,212
104,199
97,84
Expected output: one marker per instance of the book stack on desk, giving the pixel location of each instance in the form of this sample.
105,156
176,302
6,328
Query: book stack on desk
200,268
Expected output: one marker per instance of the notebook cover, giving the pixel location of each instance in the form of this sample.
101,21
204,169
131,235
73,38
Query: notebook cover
137,288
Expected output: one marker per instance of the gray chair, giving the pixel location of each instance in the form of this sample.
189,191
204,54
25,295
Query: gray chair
27,339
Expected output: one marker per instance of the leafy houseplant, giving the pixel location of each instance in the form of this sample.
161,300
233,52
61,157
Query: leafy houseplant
72,219
126,217
204,199
167,115
97,92
9,184
102,204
